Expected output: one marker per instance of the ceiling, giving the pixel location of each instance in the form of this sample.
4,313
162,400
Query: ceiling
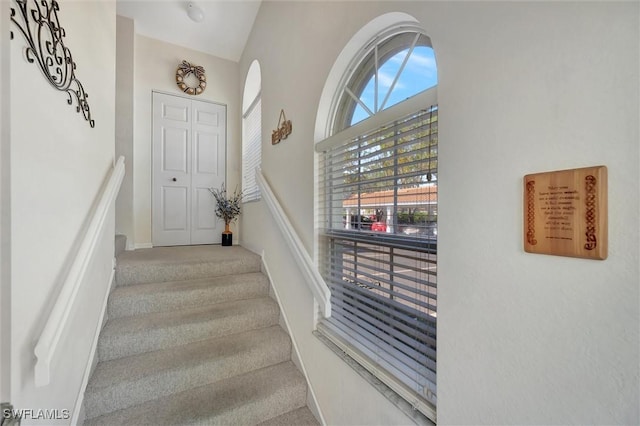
223,32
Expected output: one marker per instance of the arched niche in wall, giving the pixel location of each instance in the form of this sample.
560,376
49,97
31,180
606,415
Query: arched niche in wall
252,85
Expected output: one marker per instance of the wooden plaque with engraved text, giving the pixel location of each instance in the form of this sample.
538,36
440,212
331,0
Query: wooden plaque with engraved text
565,213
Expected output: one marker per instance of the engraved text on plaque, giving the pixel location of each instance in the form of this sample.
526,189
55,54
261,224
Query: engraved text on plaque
565,213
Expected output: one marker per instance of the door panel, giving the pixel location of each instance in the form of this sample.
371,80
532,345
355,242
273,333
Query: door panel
178,112
189,142
206,153
171,180
175,150
174,204
209,136
204,219
207,117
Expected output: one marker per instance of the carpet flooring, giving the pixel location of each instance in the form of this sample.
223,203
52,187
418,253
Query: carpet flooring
192,338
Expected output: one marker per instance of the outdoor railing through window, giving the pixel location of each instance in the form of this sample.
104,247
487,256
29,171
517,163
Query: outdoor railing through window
379,249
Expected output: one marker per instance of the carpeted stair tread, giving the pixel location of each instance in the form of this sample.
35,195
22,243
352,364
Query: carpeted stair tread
132,335
124,382
164,296
183,263
247,399
300,417
192,337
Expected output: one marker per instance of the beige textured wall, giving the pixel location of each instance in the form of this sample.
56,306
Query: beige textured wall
5,212
524,87
155,67
58,167
125,50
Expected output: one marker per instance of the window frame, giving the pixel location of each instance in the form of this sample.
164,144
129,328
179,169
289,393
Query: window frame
416,103
364,65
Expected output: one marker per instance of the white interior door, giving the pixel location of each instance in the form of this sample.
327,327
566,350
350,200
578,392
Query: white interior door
189,142
208,170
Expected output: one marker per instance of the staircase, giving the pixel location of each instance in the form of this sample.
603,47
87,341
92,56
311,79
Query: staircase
192,337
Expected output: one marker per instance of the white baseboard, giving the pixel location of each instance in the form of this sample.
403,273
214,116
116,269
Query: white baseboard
251,247
312,401
78,410
137,246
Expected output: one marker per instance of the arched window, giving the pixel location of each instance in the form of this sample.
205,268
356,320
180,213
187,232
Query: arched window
397,65
378,210
251,132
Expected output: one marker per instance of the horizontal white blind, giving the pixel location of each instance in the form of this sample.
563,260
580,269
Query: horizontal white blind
379,249
251,150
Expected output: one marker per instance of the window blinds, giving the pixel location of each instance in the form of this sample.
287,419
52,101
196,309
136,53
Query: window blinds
251,150
379,252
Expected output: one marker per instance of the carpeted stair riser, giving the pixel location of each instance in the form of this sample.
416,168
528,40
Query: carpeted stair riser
166,296
129,381
129,273
192,337
265,394
133,335
120,244
300,417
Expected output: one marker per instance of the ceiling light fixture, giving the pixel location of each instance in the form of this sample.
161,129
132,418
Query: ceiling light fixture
195,12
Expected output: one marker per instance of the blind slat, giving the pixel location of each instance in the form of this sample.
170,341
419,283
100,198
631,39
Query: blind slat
383,351
418,332
388,307
251,150
376,281
369,327
409,106
378,274
376,189
399,380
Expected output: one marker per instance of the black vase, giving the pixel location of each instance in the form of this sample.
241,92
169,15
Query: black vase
227,239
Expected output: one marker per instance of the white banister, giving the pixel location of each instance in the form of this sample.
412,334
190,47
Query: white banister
48,342
318,287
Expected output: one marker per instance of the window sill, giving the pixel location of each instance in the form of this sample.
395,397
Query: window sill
399,401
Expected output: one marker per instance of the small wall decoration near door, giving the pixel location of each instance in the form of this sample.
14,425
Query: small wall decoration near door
184,72
283,130
41,29
565,213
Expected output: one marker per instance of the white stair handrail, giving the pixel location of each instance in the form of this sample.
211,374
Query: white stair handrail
48,342
315,281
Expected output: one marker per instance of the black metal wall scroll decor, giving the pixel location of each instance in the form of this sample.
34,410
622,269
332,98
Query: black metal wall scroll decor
38,22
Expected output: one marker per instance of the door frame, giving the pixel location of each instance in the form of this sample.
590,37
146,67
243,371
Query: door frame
226,150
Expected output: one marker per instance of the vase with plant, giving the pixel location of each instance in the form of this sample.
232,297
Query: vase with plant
227,209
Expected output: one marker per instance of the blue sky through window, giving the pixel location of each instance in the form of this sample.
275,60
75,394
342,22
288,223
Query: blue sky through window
420,73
